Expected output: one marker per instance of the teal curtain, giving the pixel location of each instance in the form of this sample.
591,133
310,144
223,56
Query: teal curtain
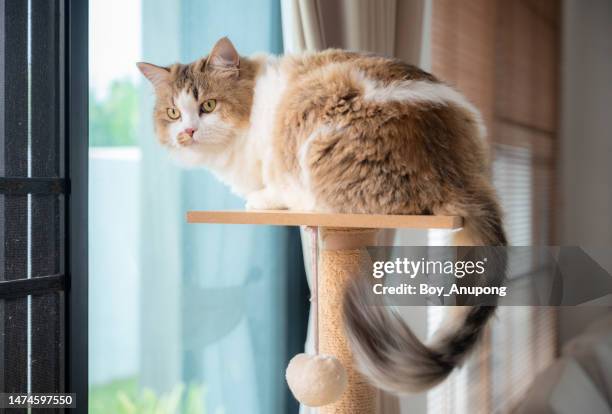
218,303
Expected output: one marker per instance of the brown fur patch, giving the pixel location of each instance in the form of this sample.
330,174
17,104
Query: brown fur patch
375,67
392,158
321,86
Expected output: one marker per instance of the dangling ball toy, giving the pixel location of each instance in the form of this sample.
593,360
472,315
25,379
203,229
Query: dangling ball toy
316,380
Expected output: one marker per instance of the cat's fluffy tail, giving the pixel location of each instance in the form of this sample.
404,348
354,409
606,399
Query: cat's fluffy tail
389,353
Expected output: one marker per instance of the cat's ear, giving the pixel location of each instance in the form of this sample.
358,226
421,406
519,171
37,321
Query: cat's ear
156,74
223,55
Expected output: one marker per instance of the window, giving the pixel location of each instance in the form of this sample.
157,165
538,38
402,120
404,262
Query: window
180,315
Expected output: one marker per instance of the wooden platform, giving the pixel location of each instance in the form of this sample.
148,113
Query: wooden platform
298,218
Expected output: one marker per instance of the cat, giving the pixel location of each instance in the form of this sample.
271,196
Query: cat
345,132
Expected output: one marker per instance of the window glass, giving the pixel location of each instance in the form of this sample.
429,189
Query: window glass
189,318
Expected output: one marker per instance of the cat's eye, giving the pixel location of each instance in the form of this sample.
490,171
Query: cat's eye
209,105
173,113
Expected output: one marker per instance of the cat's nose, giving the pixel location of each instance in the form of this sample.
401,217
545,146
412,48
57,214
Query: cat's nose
190,131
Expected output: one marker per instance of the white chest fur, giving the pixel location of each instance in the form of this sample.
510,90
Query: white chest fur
269,88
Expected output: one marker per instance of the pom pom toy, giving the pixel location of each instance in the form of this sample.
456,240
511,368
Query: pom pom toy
316,380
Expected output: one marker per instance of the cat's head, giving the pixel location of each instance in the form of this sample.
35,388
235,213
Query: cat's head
203,107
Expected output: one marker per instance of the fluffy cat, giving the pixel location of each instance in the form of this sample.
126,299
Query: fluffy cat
346,132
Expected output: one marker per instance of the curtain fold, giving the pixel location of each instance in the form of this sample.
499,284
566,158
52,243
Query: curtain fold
302,26
311,25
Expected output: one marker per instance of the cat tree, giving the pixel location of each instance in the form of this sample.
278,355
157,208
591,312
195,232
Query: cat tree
340,251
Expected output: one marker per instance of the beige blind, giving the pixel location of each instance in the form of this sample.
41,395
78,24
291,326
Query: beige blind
503,55
513,180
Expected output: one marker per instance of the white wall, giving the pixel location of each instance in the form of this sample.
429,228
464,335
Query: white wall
586,123
585,180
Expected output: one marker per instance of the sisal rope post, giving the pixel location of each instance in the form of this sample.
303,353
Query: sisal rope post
341,257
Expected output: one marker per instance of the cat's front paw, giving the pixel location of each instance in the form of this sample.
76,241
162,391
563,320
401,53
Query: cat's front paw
184,139
263,200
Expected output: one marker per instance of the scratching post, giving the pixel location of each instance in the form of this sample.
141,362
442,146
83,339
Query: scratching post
341,256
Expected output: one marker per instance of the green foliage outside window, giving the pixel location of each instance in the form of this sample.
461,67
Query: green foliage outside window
113,120
123,396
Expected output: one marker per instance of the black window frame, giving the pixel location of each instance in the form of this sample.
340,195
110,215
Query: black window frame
77,151
69,63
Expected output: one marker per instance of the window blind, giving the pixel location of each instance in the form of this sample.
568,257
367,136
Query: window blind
504,57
